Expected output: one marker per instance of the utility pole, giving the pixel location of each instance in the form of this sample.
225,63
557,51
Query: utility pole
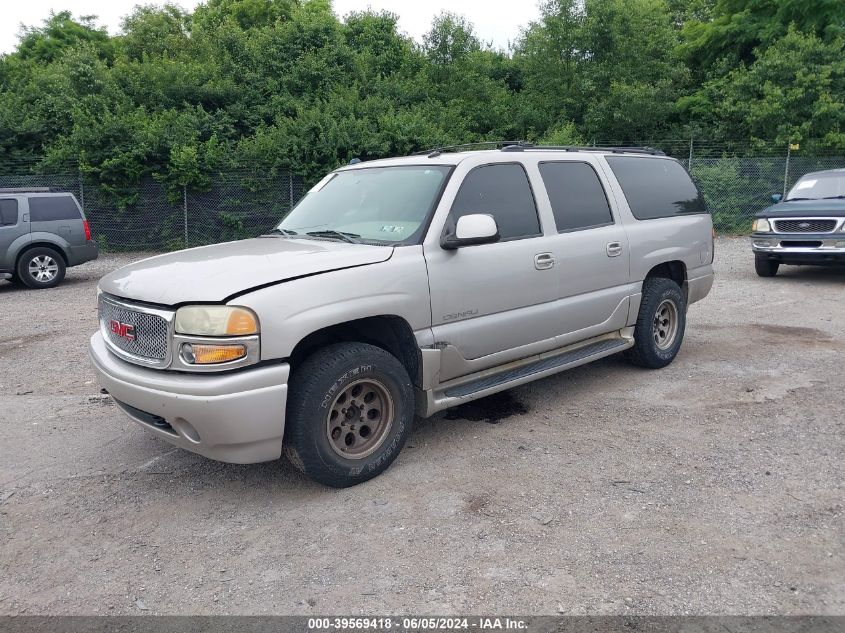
290,189
81,188
689,162
185,211
789,149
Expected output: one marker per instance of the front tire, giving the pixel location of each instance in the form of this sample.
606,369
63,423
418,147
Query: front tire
350,410
41,267
766,267
661,324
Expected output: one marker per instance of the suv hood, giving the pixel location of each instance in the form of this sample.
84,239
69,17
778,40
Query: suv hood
833,208
215,273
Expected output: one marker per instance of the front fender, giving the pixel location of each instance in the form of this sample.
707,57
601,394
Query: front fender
290,311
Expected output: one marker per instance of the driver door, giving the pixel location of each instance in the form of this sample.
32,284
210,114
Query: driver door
492,303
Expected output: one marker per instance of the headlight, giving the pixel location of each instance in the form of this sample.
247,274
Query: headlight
216,321
761,225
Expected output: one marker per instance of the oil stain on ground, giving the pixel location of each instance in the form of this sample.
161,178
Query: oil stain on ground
492,409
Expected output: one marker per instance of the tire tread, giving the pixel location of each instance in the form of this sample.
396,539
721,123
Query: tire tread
643,352
307,387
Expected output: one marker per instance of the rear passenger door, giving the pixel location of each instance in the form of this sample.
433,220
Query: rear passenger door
13,226
590,248
57,214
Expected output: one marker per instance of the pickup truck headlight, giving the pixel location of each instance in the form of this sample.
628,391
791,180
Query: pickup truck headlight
761,225
216,321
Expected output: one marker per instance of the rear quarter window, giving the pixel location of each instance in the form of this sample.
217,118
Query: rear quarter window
8,212
49,208
656,187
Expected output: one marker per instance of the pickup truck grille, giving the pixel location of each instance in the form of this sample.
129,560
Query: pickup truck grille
798,225
144,339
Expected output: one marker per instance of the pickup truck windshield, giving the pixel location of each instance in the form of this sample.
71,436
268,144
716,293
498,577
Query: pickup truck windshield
818,187
384,205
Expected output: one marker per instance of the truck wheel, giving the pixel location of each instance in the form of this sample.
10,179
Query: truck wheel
766,267
41,267
660,324
350,409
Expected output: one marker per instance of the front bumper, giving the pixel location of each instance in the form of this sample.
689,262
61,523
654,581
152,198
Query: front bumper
809,248
236,417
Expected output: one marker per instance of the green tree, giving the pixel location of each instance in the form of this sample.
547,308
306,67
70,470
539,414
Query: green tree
737,28
794,91
58,33
451,38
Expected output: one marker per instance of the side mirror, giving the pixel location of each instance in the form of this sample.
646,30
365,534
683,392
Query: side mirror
776,197
477,228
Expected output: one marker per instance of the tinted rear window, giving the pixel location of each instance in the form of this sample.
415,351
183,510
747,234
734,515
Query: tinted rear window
48,208
577,196
8,212
502,191
656,187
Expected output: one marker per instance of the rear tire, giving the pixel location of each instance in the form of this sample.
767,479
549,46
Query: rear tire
350,410
41,267
766,267
661,324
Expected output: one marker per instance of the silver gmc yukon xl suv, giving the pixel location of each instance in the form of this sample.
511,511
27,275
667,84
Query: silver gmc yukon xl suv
400,287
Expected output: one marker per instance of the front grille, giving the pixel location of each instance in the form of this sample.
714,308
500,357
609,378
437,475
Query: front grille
150,331
805,226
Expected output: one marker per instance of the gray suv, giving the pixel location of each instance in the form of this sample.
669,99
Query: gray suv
42,232
399,287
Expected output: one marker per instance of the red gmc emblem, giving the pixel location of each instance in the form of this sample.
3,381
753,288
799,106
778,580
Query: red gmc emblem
123,330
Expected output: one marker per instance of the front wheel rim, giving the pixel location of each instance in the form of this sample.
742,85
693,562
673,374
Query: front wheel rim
43,268
665,325
360,419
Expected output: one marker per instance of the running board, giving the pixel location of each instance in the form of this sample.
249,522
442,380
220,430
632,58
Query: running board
523,372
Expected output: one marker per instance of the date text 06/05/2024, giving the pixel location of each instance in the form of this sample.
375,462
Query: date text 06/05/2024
417,624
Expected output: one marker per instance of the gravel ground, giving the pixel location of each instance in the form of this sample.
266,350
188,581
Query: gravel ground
712,486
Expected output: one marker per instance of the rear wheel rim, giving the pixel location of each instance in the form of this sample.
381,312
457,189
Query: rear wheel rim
43,268
665,325
360,419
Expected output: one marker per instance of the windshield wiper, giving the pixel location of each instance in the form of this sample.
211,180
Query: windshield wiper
278,231
351,238
832,198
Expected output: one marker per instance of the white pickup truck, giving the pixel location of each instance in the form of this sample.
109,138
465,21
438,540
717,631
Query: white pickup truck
400,287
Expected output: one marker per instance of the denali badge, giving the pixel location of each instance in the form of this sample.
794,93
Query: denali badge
123,330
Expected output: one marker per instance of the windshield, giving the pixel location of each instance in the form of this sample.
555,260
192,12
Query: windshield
818,186
383,205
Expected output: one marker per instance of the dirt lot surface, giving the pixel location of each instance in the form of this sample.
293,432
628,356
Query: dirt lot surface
712,486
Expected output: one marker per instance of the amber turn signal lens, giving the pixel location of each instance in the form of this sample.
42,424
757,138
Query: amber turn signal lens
196,354
241,323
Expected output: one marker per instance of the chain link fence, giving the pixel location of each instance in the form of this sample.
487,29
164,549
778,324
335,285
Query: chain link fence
237,204
242,203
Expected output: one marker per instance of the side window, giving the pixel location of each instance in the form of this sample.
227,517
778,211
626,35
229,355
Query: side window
8,212
503,192
656,187
577,196
48,208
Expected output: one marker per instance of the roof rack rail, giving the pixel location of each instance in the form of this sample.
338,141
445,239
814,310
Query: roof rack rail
584,148
29,189
519,146
434,152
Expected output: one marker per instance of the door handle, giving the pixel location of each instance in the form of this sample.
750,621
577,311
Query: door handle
614,249
544,261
